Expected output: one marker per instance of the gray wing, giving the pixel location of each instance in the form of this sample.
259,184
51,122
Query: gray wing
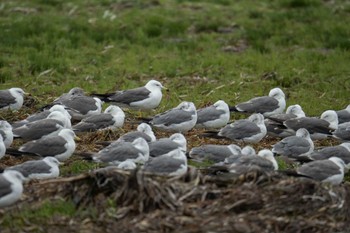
82,104
319,170
6,98
343,116
280,118
259,105
208,114
277,129
5,186
215,153
130,96
95,122
173,116
333,151
119,153
313,125
240,130
265,164
163,165
292,146
37,129
32,118
343,131
161,147
32,167
131,136
47,146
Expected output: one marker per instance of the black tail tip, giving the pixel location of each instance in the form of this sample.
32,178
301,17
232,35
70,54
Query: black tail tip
233,109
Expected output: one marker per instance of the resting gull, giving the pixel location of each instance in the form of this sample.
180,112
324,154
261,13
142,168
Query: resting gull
112,118
318,128
142,98
329,170
60,146
172,164
143,130
11,98
136,151
251,130
38,169
179,119
341,151
343,132
213,116
246,151
6,133
267,105
37,129
344,115
11,187
165,146
214,153
297,147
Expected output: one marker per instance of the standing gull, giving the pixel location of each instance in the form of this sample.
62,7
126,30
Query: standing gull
214,153
297,147
214,116
11,98
11,187
329,170
165,146
38,169
112,118
179,119
142,98
267,105
341,151
60,146
6,133
344,115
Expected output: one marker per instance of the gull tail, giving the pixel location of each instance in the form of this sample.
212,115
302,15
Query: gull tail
88,156
293,173
233,109
211,134
103,97
16,152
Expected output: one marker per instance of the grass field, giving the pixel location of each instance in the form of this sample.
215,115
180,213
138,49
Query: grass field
202,51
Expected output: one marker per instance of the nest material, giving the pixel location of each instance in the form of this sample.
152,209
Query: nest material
254,202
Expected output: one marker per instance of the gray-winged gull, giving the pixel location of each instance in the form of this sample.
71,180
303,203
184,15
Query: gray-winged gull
344,115
11,187
142,98
172,164
319,128
250,130
214,153
11,98
245,151
266,105
60,146
343,131
297,147
263,161
329,170
143,130
37,129
341,151
179,119
213,116
6,133
38,169
165,146
2,147
112,118
136,151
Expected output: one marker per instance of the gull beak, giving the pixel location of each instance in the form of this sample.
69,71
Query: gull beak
78,139
165,88
60,163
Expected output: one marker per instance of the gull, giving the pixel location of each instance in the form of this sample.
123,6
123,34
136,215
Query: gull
267,105
6,133
329,170
165,146
11,187
142,98
246,151
60,146
38,169
214,153
263,161
172,164
343,132
42,115
143,130
344,115
136,151
37,129
318,128
341,151
274,123
179,119
213,116
297,147
251,130
112,118
11,98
